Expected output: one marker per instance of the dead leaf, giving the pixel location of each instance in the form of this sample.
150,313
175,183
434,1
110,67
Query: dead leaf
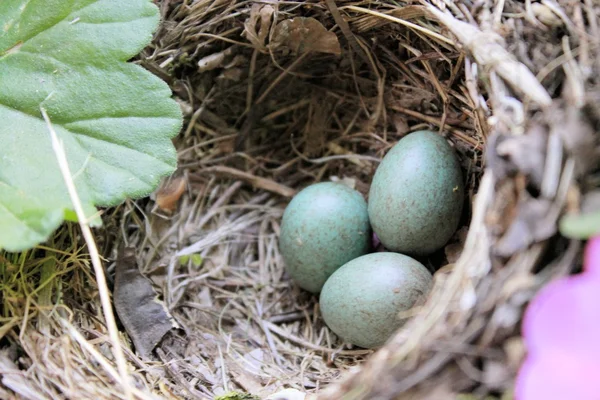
257,35
169,193
578,136
303,35
144,317
507,154
534,222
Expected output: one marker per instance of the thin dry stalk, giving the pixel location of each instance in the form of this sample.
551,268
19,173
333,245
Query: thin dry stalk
111,324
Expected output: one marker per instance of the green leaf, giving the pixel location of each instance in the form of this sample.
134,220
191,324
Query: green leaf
197,260
582,226
114,118
237,396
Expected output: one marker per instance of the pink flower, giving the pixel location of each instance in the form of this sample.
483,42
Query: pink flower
561,328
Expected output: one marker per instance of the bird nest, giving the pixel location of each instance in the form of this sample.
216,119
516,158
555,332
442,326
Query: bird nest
278,95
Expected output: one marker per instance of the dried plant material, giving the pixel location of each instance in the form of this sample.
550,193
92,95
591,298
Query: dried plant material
168,195
14,379
144,316
232,74
254,180
303,35
350,182
257,26
489,53
369,22
578,135
441,391
215,60
339,150
496,375
288,394
546,15
534,222
319,113
509,154
454,250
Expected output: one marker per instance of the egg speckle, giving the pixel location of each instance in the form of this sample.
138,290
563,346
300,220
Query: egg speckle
323,227
361,301
416,196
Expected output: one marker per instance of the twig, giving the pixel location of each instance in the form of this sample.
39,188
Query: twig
311,346
256,181
85,344
431,120
103,290
489,53
345,28
401,22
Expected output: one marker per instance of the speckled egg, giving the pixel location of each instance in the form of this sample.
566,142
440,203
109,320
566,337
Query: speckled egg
323,227
416,196
362,300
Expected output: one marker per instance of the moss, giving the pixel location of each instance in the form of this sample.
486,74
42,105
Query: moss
237,396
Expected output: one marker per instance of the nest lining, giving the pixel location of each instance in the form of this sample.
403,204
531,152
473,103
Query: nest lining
266,117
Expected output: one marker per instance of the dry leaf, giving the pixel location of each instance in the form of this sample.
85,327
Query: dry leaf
257,35
578,136
507,154
144,317
533,223
169,194
302,35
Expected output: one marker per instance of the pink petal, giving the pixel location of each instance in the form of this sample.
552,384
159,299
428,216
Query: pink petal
558,376
565,314
561,328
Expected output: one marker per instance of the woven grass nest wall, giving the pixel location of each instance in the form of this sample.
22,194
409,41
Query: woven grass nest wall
277,95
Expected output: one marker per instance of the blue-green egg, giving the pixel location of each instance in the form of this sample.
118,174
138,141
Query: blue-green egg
417,194
362,301
323,227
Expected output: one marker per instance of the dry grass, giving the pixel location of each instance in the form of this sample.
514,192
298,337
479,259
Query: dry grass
261,123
